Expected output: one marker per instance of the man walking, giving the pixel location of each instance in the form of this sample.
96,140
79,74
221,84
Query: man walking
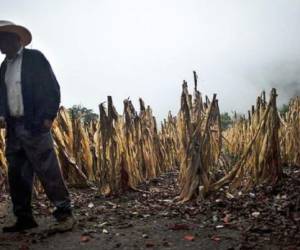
29,101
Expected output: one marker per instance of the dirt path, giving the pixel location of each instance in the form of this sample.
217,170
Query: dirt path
260,219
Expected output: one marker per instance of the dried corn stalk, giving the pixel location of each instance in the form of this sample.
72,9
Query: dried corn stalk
131,148
3,163
170,143
68,139
110,153
132,152
260,161
148,143
200,134
290,134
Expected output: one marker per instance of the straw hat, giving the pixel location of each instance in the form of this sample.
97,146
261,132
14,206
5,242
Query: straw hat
22,32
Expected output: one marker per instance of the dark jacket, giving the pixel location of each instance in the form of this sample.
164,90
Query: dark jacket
40,90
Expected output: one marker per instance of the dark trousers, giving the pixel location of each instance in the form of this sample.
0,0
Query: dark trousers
28,155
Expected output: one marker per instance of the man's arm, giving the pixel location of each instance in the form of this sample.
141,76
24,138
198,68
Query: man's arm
50,90
2,122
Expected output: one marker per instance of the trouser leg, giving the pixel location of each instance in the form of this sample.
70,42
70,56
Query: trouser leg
40,151
20,176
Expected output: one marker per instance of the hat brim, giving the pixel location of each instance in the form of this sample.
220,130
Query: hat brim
22,32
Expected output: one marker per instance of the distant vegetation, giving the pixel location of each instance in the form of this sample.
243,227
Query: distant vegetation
226,120
283,109
86,115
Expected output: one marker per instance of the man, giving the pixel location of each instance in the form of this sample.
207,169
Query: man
29,101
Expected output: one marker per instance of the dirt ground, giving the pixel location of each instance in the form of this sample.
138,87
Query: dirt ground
263,218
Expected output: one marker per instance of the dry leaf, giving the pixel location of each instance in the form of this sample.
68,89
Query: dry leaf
215,238
85,238
189,237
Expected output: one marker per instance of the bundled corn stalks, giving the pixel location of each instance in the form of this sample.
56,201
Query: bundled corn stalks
170,143
200,137
72,147
111,149
150,144
134,163
242,131
130,147
260,161
3,163
117,152
236,137
290,134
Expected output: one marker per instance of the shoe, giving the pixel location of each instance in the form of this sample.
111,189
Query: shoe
62,225
20,225
61,214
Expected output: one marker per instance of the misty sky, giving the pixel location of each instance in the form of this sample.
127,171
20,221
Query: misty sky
145,48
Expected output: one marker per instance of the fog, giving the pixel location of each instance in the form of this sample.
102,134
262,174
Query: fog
139,48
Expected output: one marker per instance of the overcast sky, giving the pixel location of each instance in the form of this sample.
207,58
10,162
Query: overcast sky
145,48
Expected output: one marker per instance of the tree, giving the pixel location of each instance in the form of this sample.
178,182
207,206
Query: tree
85,114
283,109
226,120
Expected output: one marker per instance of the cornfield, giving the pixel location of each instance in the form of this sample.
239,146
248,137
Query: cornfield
199,129
119,151
290,134
260,160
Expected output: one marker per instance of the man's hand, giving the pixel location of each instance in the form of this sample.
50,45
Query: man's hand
48,124
2,122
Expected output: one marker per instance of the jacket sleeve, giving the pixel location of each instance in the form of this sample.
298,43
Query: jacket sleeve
49,87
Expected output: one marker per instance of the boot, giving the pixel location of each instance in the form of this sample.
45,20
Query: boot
65,221
62,226
21,225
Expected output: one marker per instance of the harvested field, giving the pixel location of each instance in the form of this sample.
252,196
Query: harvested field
183,183
264,217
